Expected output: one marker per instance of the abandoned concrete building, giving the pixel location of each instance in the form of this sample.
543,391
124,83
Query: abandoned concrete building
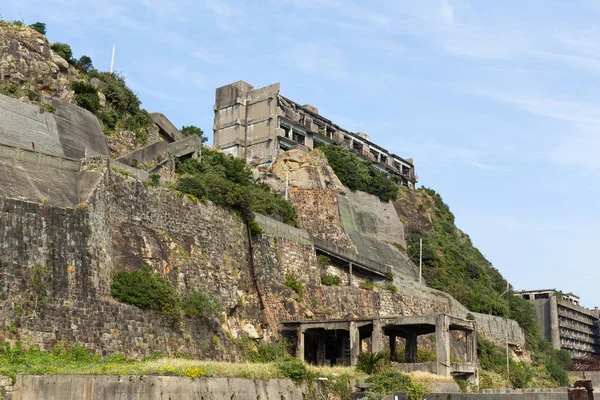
258,125
565,323
339,342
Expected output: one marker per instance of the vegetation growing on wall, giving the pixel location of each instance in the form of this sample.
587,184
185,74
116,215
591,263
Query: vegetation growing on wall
227,181
452,264
358,174
145,289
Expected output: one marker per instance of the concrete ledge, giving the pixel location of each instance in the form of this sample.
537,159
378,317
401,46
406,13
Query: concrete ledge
166,128
19,154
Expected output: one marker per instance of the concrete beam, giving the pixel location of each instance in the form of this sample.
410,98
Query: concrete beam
166,128
393,348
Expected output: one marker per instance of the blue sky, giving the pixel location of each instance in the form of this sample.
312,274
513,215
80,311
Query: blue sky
497,101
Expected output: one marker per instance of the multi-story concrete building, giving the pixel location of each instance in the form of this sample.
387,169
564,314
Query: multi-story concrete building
565,323
258,124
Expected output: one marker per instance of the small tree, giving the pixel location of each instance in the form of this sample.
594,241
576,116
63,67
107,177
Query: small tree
193,130
84,64
63,50
39,27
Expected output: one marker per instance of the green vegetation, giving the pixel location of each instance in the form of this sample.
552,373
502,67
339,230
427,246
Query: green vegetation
86,96
198,303
39,27
154,180
47,107
147,290
323,260
370,363
293,368
194,130
264,353
292,282
153,291
330,280
357,174
227,181
452,264
79,361
84,64
547,370
423,354
388,381
366,284
63,50
11,90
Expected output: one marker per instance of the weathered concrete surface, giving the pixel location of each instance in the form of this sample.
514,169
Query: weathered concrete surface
103,387
79,131
71,131
376,231
150,153
166,128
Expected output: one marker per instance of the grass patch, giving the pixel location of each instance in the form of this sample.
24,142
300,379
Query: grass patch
330,280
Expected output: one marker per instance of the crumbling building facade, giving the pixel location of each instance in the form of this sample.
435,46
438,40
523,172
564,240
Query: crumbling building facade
258,124
565,323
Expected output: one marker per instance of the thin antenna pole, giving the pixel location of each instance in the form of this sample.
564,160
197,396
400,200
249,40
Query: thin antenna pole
112,60
506,327
420,259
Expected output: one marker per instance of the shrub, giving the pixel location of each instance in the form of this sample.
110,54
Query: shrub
10,90
292,283
148,290
32,96
138,120
357,174
323,260
194,130
63,50
200,304
154,179
47,107
264,352
370,363
109,117
386,382
293,368
330,280
123,100
391,287
39,27
86,96
84,64
227,181
366,284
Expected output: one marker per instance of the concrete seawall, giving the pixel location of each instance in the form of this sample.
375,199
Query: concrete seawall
90,387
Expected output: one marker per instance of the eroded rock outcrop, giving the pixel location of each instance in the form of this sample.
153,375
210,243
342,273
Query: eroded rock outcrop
27,60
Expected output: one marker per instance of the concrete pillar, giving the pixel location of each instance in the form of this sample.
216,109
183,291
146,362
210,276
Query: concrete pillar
442,345
321,347
300,344
471,356
349,274
354,342
410,353
393,349
376,336
554,327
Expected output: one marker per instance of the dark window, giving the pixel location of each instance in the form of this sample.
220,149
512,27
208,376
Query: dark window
542,296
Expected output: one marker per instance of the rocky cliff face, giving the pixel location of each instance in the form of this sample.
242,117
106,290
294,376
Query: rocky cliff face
26,60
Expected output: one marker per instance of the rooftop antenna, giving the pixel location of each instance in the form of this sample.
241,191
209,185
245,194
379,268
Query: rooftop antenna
112,60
